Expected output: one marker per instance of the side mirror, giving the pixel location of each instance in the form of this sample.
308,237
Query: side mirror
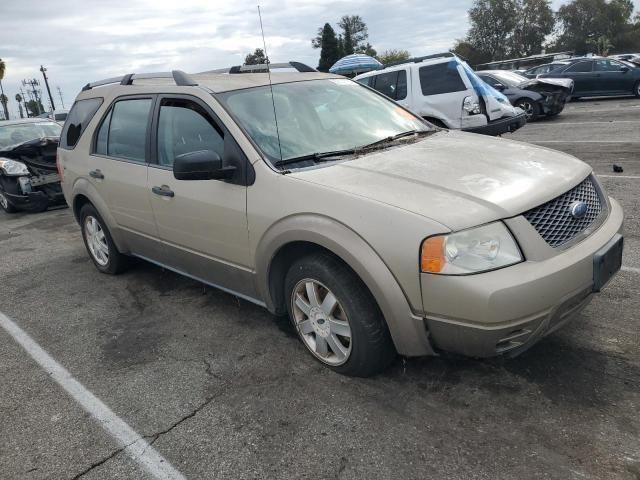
201,165
624,69
499,86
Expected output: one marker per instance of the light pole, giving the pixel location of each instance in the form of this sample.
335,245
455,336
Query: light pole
46,82
60,95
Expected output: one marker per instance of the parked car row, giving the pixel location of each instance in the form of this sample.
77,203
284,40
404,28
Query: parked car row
594,76
273,187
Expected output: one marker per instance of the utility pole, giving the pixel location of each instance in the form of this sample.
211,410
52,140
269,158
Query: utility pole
46,82
33,83
24,100
60,95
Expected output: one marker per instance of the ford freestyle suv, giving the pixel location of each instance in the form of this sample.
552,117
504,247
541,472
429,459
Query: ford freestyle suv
321,199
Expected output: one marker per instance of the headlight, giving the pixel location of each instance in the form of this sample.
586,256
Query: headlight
11,167
470,106
475,250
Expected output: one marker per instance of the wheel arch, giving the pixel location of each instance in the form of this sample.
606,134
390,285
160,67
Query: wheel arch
84,192
300,235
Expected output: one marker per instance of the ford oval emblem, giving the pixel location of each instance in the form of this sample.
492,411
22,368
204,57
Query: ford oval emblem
578,209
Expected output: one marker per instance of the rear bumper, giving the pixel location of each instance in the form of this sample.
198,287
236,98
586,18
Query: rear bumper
500,126
508,310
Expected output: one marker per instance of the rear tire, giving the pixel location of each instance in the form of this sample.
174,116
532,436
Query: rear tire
531,108
636,89
97,239
336,317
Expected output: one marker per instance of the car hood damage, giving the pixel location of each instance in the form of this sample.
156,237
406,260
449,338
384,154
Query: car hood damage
458,179
39,155
538,84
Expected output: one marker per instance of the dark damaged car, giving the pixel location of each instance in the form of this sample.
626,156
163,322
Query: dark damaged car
29,178
537,97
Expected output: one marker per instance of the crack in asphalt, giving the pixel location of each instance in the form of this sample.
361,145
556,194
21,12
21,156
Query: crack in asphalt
101,462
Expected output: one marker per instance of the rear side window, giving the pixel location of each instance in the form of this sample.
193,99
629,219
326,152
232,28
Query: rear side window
77,120
392,84
123,133
365,81
580,67
441,78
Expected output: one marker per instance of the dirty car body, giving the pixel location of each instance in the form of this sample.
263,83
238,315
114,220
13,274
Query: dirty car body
537,97
28,175
448,241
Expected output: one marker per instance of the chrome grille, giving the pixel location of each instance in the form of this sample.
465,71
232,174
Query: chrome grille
554,221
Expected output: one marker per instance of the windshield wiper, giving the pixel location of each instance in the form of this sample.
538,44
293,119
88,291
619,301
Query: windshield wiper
391,139
316,157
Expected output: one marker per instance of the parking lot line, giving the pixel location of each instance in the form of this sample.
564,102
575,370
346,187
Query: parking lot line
128,439
630,269
618,176
583,141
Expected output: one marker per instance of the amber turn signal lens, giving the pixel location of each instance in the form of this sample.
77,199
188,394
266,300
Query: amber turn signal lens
432,255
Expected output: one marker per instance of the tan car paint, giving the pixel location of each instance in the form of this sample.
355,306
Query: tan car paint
373,212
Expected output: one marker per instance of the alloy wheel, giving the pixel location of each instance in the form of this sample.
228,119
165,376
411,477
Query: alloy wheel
321,322
528,109
96,240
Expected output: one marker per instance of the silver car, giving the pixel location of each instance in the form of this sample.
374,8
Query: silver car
316,197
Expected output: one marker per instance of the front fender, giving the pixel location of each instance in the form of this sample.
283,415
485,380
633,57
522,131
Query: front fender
407,330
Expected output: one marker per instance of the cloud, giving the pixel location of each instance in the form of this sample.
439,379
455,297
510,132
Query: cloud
81,41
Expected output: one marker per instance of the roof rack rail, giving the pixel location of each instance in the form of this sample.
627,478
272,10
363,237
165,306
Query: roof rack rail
179,77
420,59
262,68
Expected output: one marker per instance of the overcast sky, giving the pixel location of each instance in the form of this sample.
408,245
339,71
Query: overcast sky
85,40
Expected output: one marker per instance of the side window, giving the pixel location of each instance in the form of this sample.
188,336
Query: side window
580,67
386,84
365,81
123,132
184,127
607,66
401,91
441,78
77,120
489,80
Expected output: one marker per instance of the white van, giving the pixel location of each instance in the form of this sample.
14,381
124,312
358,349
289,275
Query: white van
444,90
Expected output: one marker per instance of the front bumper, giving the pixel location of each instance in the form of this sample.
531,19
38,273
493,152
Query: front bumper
508,310
500,126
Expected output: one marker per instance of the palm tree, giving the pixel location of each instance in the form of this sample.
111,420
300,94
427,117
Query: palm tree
602,44
19,100
3,67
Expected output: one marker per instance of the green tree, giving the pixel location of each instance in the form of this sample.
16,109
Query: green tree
347,42
255,58
601,45
534,22
393,55
582,22
329,52
492,26
357,28
470,54
367,49
36,108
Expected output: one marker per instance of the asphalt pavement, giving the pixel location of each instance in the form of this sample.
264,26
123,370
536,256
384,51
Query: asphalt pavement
219,388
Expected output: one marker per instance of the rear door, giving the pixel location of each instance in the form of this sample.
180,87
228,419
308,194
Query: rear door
202,223
117,168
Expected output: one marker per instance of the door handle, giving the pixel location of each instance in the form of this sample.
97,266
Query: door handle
163,191
96,174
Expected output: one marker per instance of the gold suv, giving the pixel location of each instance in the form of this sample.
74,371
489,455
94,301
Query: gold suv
317,197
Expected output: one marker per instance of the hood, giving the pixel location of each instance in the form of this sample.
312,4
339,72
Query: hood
38,154
457,179
556,82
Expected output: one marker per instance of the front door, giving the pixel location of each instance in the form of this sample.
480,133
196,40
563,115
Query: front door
202,223
612,76
584,79
118,170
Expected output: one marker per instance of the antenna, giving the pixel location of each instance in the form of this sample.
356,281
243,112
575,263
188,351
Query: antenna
273,101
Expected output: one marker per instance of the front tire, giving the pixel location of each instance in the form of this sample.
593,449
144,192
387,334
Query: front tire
6,204
336,317
97,239
531,108
636,89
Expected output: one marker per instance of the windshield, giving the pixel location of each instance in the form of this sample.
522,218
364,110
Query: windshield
510,79
16,134
317,116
